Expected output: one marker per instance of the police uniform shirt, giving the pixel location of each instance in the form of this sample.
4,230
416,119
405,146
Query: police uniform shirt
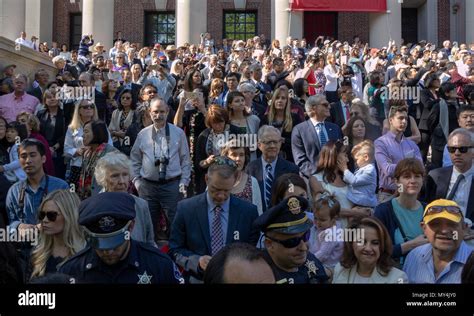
143,265
311,272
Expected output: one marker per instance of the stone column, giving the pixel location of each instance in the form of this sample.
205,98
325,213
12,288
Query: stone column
469,21
12,18
191,20
39,20
384,26
280,20
98,20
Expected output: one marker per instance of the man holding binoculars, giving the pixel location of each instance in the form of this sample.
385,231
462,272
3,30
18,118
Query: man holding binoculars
161,168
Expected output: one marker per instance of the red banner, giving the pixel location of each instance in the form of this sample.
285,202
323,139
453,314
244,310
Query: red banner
340,5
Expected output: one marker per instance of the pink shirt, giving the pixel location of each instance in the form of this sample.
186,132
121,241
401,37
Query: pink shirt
11,106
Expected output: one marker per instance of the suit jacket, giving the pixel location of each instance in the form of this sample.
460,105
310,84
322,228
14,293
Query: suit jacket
59,128
337,114
190,232
255,169
437,185
306,146
38,93
427,102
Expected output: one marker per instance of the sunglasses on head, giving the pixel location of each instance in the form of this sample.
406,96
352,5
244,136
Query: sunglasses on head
292,242
438,209
50,215
462,149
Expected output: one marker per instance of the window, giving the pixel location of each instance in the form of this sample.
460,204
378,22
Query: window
160,27
240,25
75,30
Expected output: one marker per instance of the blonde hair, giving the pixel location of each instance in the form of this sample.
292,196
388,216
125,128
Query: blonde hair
365,147
288,122
72,234
32,121
76,121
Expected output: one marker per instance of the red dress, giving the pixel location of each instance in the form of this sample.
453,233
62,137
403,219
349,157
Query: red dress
311,80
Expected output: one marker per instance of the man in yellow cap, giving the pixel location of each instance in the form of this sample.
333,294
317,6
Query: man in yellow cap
442,260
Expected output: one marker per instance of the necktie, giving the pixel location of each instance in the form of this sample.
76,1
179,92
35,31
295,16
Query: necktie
217,236
268,184
455,187
322,137
348,113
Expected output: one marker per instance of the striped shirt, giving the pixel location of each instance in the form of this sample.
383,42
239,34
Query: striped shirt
420,268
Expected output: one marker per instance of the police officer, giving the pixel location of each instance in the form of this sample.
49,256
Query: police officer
286,228
111,256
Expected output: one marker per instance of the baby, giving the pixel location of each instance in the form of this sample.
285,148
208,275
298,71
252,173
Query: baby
363,183
323,240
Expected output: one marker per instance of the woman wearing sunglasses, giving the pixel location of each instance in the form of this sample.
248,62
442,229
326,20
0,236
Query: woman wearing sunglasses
84,111
367,258
60,235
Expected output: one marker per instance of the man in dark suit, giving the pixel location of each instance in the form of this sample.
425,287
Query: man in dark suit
40,84
207,222
340,111
128,85
270,166
455,182
309,137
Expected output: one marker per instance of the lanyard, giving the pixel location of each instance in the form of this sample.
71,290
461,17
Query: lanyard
167,132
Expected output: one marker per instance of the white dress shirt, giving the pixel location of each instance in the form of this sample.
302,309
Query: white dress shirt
461,197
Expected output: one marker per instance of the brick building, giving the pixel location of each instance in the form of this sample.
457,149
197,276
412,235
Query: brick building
179,21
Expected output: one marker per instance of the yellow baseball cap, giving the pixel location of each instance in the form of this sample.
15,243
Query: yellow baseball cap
442,208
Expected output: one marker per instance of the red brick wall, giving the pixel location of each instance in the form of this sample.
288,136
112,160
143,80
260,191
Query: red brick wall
215,16
62,9
353,23
444,10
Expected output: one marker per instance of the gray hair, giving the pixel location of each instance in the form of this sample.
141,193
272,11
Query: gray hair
313,101
110,160
463,131
247,87
267,129
22,77
58,59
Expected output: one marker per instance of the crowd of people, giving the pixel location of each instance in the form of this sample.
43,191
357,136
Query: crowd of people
239,163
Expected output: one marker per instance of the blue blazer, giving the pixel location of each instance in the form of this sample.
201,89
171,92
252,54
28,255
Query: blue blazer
255,169
190,236
305,144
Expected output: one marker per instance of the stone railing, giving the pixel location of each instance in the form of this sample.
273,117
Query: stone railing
27,61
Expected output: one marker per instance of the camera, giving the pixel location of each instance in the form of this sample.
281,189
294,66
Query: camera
161,163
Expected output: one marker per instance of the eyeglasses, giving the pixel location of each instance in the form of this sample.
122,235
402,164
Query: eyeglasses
270,142
151,92
292,242
438,209
354,113
50,215
87,106
462,149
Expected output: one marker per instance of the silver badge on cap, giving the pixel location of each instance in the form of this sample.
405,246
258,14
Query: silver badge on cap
107,223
